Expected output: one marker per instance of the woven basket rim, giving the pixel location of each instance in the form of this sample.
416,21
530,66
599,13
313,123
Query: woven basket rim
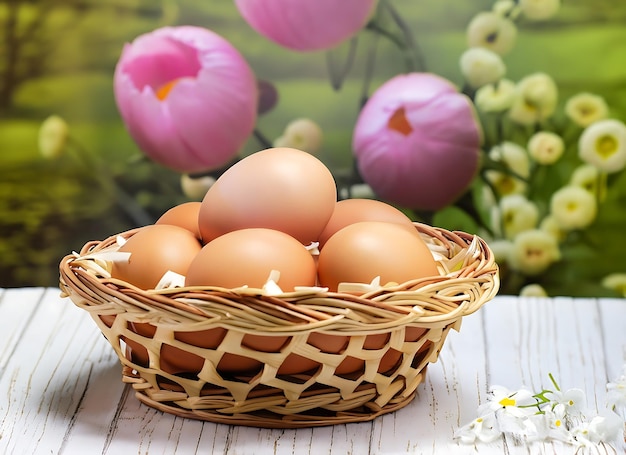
435,300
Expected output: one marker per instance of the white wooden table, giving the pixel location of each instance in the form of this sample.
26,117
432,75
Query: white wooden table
61,389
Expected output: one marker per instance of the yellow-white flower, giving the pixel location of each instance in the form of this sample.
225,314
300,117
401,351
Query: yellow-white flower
533,252
546,147
590,178
518,214
585,108
302,134
515,158
357,191
603,144
196,188
507,8
573,207
496,97
533,290
53,136
492,31
550,225
535,100
539,10
616,282
501,250
481,66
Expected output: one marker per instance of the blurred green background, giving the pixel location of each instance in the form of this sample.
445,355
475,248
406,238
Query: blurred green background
58,57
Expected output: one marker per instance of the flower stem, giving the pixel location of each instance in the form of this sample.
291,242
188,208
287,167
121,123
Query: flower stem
409,44
264,141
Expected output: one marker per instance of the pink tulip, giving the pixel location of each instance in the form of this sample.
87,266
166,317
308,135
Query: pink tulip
306,25
417,142
187,96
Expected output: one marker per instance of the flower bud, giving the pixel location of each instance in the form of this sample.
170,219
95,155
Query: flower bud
585,108
518,214
533,290
533,252
539,10
302,134
196,187
546,147
573,207
492,31
535,99
307,25
481,66
187,96
496,97
53,137
514,157
417,142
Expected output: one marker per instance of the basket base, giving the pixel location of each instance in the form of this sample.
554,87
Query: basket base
272,420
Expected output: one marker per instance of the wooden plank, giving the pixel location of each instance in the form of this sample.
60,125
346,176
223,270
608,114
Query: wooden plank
16,309
47,374
613,321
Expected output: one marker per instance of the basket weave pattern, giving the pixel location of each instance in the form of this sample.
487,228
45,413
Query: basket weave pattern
299,359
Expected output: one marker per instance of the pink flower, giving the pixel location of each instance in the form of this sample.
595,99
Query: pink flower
187,96
306,25
417,141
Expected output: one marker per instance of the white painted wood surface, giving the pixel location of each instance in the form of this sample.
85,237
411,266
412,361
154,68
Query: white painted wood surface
62,394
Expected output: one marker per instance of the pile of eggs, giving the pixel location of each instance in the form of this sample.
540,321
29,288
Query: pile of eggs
275,214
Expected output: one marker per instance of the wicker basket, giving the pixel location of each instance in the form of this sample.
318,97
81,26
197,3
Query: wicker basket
299,359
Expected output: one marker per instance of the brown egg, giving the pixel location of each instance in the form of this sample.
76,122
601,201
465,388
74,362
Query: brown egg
362,251
284,189
351,211
184,215
154,250
247,256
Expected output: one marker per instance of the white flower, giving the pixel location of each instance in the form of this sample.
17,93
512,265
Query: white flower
518,214
302,134
53,136
358,191
585,108
539,10
603,428
496,97
589,177
507,8
554,427
535,99
482,428
616,393
617,282
603,144
570,403
550,225
533,252
481,66
511,408
501,249
515,158
533,290
573,207
196,187
492,31
546,147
